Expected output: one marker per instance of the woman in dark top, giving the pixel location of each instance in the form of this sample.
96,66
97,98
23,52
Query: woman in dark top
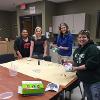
22,45
87,64
39,44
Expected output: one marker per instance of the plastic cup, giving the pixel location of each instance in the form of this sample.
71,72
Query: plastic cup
55,49
13,70
28,59
6,95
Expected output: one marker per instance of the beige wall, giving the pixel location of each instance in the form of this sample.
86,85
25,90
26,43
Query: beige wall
8,25
39,9
7,47
49,9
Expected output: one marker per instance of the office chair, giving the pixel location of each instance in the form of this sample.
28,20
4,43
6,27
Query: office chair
6,58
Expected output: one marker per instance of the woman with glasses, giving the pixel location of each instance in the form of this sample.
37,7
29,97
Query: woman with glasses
87,65
64,43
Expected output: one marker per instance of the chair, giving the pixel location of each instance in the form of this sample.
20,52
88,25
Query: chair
77,84
62,95
6,58
47,58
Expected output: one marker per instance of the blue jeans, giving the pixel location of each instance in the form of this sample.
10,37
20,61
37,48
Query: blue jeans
87,91
95,90
92,91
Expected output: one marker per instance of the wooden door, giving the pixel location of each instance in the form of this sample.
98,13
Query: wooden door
26,23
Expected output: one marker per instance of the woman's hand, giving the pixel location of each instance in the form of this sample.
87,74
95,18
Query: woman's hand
53,45
74,69
19,56
64,48
82,67
44,55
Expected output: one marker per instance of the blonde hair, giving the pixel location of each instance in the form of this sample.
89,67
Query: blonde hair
38,28
35,37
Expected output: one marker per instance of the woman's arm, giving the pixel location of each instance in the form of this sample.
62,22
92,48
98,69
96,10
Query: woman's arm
64,48
16,45
45,48
31,48
19,55
82,67
68,44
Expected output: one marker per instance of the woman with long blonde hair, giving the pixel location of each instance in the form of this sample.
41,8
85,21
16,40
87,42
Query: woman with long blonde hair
40,45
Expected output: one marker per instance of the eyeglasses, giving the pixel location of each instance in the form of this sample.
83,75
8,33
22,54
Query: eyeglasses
63,27
24,32
84,31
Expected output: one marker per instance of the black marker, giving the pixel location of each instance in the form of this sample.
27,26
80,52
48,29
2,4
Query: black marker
38,62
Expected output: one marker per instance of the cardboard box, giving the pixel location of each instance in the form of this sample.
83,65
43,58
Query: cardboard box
32,87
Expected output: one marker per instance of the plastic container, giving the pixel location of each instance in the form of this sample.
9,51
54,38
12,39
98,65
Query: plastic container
6,95
13,70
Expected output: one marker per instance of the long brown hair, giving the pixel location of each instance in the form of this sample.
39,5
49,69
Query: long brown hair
63,24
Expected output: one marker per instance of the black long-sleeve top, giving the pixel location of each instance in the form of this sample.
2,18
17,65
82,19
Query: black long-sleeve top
89,55
22,46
